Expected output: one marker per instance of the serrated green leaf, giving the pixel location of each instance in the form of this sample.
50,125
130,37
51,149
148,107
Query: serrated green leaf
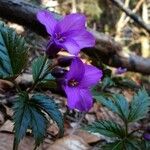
107,128
27,116
118,104
40,65
38,130
124,144
107,82
125,82
144,145
107,102
122,105
21,117
49,77
48,82
131,143
139,106
117,145
13,53
50,107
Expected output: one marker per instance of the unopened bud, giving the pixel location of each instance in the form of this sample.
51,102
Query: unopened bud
146,136
121,70
52,49
58,72
65,61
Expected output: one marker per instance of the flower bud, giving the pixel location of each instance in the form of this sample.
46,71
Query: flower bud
65,61
52,49
58,72
121,70
146,136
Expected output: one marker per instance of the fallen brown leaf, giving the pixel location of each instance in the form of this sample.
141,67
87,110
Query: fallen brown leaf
71,142
88,137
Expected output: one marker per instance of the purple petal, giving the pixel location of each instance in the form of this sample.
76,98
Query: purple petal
91,77
80,99
47,19
71,22
85,102
82,38
146,136
72,96
121,70
71,46
76,70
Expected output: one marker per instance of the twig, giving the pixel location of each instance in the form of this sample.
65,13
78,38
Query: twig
137,7
78,123
120,22
132,15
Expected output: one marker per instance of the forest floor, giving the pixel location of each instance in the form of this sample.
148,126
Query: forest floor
74,138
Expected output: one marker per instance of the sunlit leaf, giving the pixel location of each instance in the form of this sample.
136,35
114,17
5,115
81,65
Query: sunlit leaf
139,106
117,145
118,104
49,106
40,66
107,128
13,53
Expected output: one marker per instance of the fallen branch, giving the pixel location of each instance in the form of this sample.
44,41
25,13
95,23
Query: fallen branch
107,50
137,7
132,15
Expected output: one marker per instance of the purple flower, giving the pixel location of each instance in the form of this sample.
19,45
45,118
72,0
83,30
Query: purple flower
78,81
68,33
146,136
121,70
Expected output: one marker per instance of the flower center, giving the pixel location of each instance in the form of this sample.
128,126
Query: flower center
59,37
73,83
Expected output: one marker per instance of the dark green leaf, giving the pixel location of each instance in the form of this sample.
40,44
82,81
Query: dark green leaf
125,82
48,82
40,66
21,117
49,106
27,116
139,106
124,144
107,82
38,124
144,145
107,128
132,144
117,145
107,102
122,106
13,53
117,104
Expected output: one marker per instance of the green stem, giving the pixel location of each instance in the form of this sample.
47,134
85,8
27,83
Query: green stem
78,123
126,128
15,145
35,147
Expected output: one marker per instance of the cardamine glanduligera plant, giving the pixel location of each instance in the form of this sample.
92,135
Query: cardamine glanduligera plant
33,109
69,33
